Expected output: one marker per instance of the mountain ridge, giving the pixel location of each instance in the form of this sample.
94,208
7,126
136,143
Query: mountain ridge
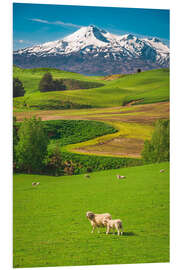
92,50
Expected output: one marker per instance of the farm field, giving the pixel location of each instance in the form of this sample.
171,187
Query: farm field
145,87
133,123
51,228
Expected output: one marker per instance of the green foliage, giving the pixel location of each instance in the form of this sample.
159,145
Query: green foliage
18,88
58,85
15,140
86,163
74,131
53,162
32,146
157,150
46,83
50,227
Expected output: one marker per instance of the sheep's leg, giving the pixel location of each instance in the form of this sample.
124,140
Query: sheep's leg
122,230
93,229
108,228
117,228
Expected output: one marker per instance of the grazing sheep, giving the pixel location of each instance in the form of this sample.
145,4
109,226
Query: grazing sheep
162,170
113,224
96,220
87,175
120,176
34,184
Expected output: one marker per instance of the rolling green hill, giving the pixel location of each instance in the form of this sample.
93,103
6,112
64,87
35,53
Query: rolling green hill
146,87
51,228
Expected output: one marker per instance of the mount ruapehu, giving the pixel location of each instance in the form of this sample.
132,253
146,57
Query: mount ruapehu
94,51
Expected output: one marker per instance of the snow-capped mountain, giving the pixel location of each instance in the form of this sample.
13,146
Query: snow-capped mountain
91,50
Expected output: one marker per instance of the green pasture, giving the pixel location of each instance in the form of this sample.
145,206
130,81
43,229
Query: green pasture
146,87
51,228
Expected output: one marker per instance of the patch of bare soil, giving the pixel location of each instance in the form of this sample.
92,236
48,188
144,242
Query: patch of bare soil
120,146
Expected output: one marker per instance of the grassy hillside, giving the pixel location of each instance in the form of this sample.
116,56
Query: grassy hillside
147,87
51,229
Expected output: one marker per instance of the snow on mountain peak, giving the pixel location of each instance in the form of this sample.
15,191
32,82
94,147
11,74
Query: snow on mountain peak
94,41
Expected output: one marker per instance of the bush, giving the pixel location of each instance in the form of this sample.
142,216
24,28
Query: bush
18,89
48,84
53,162
157,150
32,145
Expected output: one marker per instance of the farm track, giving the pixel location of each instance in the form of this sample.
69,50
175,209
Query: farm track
134,124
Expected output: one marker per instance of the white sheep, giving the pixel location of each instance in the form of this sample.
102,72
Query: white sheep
120,176
113,224
34,184
162,170
96,220
87,175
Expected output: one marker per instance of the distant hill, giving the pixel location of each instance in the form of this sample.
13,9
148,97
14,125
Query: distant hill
144,87
91,50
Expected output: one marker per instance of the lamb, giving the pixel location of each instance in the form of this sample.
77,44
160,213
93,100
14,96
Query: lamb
113,224
87,175
120,176
34,184
162,170
96,220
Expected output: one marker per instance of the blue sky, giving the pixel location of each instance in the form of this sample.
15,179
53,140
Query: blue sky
37,23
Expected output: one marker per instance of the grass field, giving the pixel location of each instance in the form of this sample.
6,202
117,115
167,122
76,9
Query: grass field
51,229
145,87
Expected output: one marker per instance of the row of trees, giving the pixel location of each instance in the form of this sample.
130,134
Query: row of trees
48,84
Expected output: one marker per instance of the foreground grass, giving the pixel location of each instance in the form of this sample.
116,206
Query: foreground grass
50,227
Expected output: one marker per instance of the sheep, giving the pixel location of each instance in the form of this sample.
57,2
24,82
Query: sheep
113,224
120,176
34,184
96,220
87,175
162,170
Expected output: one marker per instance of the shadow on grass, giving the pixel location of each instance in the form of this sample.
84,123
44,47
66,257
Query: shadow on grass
124,233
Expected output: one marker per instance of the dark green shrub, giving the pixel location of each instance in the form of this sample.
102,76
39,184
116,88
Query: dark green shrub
157,150
18,89
46,83
53,162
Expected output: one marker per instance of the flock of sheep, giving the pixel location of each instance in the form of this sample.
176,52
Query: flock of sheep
104,220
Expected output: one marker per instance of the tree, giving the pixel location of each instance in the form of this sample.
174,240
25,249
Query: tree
32,146
46,83
18,89
58,85
157,149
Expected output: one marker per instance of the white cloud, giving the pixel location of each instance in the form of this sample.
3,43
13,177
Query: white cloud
56,23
